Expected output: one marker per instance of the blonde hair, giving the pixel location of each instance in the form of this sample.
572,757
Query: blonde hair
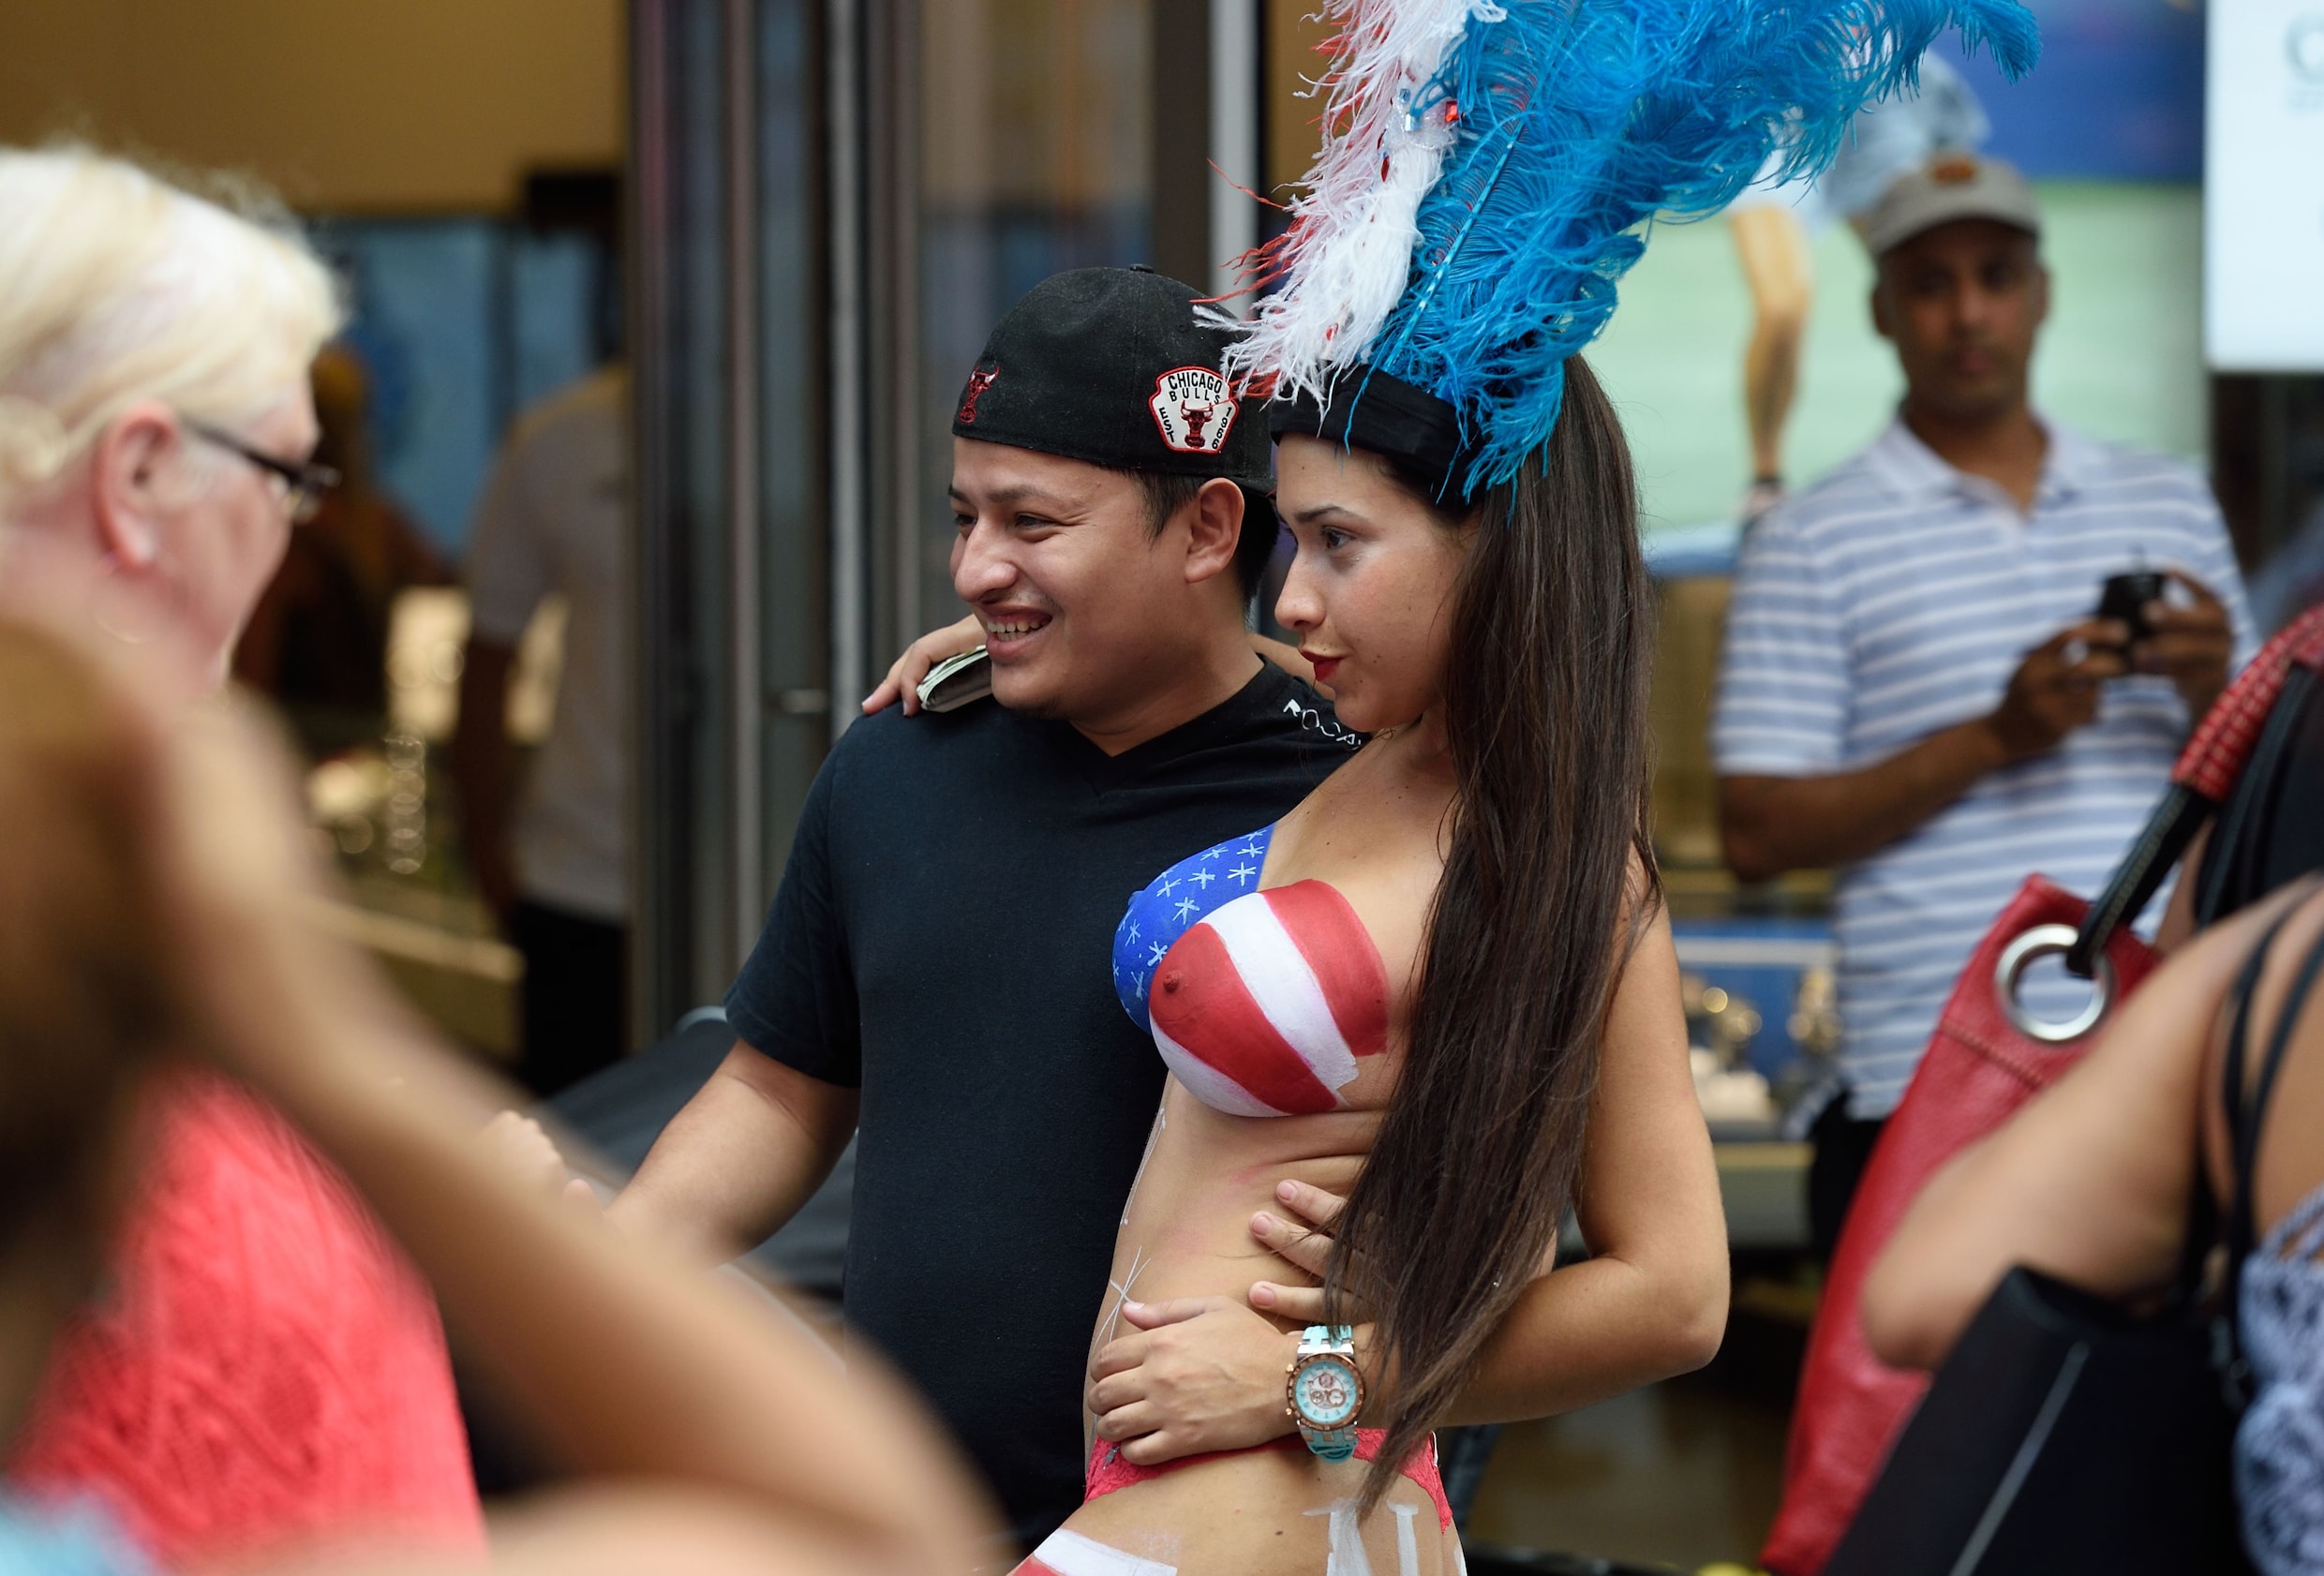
117,285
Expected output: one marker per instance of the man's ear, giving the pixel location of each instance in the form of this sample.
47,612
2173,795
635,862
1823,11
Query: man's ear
1215,527
1879,301
127,466
2041,294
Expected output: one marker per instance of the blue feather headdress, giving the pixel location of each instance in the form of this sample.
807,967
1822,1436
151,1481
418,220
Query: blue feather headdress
1489,169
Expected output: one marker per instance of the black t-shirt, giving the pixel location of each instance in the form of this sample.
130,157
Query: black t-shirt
942,939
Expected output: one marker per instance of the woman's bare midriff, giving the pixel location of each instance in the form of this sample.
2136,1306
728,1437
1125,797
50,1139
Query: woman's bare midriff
1186,1229
1187,1233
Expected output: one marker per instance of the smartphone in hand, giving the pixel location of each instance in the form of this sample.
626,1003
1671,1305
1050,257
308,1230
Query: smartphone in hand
2124,598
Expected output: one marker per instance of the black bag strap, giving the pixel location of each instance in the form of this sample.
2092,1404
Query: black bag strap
2243,822
2180,813
2242,741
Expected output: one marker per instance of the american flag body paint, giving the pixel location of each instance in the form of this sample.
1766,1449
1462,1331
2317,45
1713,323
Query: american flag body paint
1262,1002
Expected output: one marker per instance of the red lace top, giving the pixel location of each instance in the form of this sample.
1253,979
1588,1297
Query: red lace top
264,1367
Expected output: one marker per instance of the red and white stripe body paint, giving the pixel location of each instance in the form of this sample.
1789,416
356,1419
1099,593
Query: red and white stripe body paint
1266,1006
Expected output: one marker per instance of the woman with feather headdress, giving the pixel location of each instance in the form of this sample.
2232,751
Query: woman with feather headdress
1439,1009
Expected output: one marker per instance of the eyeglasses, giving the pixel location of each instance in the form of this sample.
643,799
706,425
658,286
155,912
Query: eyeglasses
302,484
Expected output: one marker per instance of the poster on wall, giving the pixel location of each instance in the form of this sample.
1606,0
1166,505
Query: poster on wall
2263,187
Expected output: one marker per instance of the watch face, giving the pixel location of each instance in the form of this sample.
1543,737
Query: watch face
1325,1392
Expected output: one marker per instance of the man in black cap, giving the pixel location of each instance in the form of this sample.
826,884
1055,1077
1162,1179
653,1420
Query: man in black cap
935,973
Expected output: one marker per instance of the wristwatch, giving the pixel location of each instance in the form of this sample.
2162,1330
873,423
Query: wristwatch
1326,1390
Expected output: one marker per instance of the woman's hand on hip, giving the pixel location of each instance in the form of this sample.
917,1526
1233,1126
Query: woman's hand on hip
1195,1374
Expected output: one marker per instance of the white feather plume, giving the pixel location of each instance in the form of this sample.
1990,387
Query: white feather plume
1349,252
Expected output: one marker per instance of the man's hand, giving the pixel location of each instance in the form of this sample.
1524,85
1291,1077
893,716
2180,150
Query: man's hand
2191,645
902,682
1207,1372
2055,690
1200,1373
1305,1241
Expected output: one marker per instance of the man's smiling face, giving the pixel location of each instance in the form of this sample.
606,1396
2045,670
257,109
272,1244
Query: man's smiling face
1081,600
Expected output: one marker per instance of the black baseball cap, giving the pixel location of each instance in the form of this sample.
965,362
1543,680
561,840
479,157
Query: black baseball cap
1113,366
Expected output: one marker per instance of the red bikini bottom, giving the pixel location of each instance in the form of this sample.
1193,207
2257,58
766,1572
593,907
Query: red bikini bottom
1109,1472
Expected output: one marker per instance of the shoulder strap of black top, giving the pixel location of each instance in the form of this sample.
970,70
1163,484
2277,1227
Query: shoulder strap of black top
2250,1113
2205,1212
2232,1093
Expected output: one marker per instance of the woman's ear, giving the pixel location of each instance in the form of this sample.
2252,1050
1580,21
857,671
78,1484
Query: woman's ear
129,464
1214,525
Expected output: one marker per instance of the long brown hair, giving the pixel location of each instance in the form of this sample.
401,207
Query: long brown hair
1544,708
83,996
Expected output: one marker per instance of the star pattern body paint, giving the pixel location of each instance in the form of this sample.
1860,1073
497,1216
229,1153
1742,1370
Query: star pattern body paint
1120,1292
1263,1005
1154,1137
1172,903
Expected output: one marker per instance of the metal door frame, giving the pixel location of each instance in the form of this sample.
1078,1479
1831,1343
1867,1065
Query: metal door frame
714,704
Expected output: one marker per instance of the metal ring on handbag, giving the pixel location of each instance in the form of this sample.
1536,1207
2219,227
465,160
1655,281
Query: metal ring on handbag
2048,941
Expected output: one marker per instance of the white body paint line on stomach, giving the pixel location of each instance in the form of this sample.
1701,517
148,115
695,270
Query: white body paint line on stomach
1154,1137
1347,1557
1069,1553
1121,1290
1407,1540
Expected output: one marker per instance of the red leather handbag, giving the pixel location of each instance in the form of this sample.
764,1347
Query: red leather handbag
1987,1057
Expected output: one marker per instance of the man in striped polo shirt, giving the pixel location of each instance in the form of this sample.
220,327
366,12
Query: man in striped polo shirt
1915,690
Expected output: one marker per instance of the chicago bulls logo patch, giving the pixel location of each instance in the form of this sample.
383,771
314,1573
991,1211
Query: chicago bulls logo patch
1193,409
979,381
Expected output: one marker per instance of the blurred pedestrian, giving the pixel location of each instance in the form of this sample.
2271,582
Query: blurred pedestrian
264,1366
550,852
1917,691
1776,226
158,910
317,641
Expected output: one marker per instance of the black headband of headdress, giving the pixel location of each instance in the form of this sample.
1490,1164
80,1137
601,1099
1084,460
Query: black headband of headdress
1371,409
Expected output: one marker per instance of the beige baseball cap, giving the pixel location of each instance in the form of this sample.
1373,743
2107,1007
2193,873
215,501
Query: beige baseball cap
1954,183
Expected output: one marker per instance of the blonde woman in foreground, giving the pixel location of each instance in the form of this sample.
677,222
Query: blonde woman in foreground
264,1368
167,864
